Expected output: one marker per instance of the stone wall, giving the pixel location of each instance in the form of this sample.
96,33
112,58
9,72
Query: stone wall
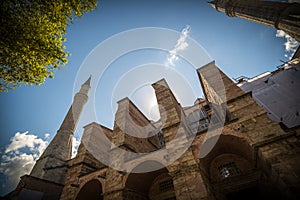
266,156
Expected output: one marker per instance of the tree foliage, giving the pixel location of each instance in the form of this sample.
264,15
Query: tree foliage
31,38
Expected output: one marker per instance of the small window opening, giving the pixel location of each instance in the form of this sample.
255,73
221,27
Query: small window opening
166,185
228,169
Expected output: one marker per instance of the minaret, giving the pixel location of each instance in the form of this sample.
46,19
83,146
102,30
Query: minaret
280,15
51,165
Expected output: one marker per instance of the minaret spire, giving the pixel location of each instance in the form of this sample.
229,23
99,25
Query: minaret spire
51,165
88,82
280,15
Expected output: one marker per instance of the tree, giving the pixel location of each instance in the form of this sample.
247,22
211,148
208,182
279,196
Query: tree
31,38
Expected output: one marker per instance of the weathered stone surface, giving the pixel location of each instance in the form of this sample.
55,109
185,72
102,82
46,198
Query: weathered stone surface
280,15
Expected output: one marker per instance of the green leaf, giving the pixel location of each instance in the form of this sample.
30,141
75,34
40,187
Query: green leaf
32,35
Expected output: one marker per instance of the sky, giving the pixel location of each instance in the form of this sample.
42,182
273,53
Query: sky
172,38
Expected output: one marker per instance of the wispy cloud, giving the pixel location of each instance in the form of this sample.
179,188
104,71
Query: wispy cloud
180,45
75,145
19,157
47,136
290,45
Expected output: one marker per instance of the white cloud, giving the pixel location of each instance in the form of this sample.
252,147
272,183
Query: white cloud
290,45
180,45
19,157
21,140
75,145
47,136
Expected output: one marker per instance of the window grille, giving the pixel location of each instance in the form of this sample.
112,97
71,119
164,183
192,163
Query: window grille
161,139
228,169
166,185
171,198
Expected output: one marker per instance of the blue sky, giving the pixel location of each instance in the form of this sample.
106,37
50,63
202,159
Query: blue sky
239,47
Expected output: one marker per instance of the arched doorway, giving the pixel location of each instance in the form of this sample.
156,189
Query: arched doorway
150,185
92,190
230,169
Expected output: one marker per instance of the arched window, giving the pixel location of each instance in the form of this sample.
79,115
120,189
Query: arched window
152,185
198,121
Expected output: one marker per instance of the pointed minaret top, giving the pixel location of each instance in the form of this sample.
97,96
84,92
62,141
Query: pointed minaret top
88,82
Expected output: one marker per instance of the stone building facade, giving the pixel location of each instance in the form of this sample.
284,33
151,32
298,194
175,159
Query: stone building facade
278,14
223,147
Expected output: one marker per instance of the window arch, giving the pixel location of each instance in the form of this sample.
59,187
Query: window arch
92,190
152,185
